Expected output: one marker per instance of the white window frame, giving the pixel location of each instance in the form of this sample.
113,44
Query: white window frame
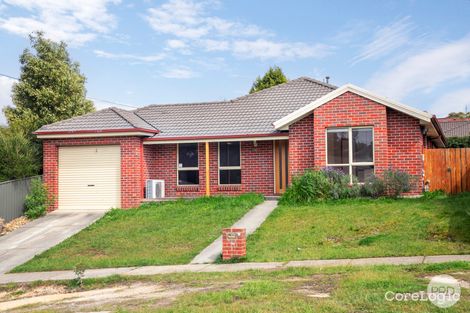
350,149
220,168
178,168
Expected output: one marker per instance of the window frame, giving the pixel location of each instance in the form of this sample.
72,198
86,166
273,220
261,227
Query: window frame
178,168
350,149
226,168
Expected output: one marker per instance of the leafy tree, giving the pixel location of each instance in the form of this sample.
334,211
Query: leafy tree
274,76
18,157
459,115
51,87
458,142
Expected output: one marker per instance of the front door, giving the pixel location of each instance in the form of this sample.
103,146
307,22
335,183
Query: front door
281,148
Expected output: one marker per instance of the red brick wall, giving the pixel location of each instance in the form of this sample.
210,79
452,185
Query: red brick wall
406,143
301,146
398,141
349,110
256,165
131,169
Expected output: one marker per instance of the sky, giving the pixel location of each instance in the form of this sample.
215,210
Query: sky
172,51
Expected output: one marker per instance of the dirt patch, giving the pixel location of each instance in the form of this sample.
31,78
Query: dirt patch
62,300
317,286
14,224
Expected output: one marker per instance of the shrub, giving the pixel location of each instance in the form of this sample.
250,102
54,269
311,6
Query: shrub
397,182
373,187
38,200
309,187
340,184
458,142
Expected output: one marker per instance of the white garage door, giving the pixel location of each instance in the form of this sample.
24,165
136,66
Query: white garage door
89,177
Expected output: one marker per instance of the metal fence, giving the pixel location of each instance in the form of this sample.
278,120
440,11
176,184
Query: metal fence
12,196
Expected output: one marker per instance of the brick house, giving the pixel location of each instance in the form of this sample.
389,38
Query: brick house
254,143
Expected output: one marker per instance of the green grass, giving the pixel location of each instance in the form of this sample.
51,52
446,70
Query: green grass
350,289
364,228
154,234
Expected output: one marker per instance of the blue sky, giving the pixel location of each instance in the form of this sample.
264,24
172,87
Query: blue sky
137,53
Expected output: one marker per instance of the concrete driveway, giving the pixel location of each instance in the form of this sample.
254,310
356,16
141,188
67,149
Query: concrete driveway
39,235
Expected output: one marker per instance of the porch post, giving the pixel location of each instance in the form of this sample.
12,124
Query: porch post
208,178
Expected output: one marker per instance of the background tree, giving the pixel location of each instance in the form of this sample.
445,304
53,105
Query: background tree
274,76
459,115
18,157
51,87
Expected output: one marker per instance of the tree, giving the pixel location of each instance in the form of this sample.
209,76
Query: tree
459,115
51,87
18,157
274,76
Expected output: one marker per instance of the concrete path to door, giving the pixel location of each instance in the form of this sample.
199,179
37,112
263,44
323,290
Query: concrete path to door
39,235
251,221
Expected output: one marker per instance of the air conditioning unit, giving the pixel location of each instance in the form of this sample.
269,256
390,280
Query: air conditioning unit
155,189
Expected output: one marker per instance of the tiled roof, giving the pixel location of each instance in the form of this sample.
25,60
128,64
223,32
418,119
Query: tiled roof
248,115
252,114
455,127
107,119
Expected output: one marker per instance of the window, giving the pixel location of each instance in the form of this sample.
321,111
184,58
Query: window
230,172
188,164
351,151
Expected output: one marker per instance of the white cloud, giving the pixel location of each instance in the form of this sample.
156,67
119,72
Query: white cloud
193,22
179,73
189,19
266,49
454,101
214,45
5,96
425,70
74,22
131,57
386,39
176,44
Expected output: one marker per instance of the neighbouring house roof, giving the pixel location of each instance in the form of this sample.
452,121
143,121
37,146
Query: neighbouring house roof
264,113
455,127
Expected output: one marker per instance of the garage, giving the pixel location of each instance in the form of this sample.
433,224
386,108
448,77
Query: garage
89,177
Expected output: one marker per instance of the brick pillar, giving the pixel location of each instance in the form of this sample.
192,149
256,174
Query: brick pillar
233,243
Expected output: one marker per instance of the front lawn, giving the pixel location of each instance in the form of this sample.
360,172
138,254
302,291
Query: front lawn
364,228
154,234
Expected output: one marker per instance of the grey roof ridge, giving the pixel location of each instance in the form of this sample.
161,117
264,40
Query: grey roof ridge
284,84
150,124
176,104
116,110
316,81
73,118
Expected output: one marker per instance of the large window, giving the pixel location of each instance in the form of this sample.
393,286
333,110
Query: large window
229,163
351,150
188,164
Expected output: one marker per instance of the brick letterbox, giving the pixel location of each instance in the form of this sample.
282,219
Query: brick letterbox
233,243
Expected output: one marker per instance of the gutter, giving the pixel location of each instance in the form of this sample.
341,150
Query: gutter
436,125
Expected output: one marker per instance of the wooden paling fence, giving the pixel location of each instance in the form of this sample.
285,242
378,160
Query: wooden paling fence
447,169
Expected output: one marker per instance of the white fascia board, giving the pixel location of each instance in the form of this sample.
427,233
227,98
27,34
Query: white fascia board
284,122
163,142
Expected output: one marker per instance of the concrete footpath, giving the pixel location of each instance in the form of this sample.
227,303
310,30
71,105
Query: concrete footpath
41,234
205,268
251,221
